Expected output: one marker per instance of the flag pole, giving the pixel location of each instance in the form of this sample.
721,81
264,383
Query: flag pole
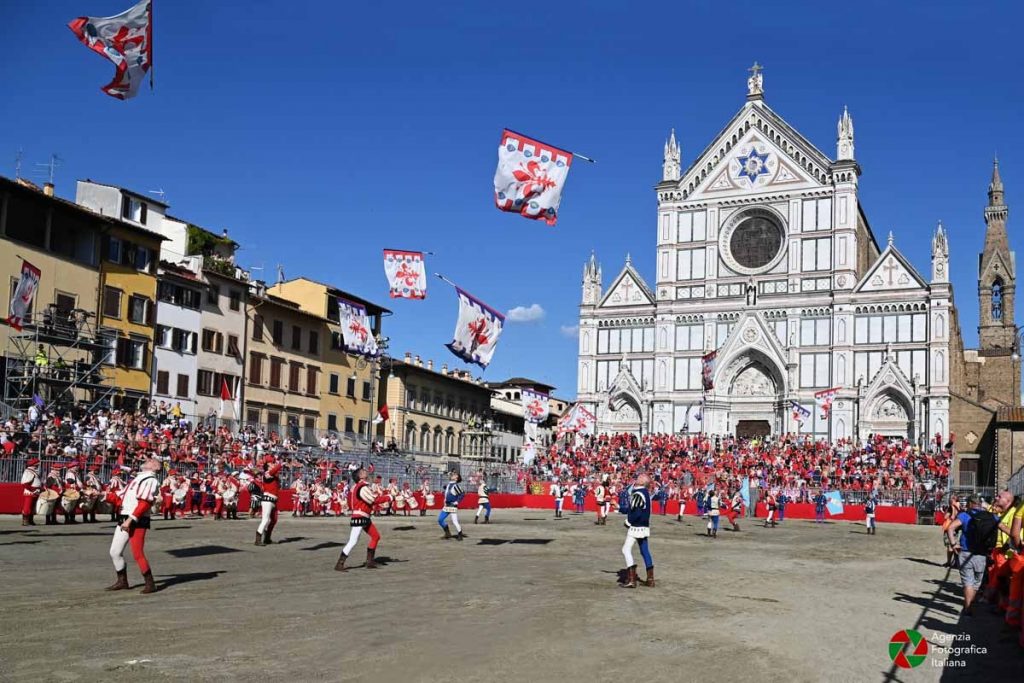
575,154
442,277
150,46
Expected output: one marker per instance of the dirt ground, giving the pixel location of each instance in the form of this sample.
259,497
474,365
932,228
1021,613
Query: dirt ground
527,597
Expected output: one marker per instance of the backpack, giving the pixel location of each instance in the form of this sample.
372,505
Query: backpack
981,532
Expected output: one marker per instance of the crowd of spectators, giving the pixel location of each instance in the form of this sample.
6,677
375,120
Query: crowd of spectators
795,465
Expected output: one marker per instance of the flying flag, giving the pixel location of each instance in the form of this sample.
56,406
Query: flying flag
225,393
530,177
356,331
708,370
477,330
406,271
126,40
382,415
824,399
834,503
535,406
23,294
577,419
799,412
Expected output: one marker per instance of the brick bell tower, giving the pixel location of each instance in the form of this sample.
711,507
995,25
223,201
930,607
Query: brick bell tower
997,285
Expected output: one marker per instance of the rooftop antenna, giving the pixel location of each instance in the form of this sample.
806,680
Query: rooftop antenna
49,169
17,163
259,267
280,273
159,193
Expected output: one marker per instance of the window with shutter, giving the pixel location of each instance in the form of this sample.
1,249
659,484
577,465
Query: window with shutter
182,386
162,379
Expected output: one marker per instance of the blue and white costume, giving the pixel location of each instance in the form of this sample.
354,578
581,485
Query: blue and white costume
869,514
483,503
453,495
638,530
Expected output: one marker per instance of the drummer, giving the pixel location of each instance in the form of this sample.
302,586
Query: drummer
32,485
167,487
229,492
71,493
427,496
91,494
300,496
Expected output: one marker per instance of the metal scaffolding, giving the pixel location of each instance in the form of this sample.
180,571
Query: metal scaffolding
57,359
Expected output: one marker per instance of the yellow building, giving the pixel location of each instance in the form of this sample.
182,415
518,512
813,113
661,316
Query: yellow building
129,254
283,371
437,412
349,398
56,236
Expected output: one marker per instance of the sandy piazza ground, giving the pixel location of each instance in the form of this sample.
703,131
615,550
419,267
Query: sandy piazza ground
525,598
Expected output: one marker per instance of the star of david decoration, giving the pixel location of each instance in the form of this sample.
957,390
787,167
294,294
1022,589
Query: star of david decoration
753,165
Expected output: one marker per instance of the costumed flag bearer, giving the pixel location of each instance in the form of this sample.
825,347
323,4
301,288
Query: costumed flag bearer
133,523
869,514
271,486
453,495
483,503
638,530
362,501
557,493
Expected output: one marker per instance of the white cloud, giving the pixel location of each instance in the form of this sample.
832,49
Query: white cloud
526,314
571,331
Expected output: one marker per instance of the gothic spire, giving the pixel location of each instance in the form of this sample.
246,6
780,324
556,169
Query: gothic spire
995,188
844,137
671,167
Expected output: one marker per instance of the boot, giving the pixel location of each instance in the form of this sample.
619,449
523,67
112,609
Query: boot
630,578
459,536
649,580
259,539
476,520
370,562
24,520
266,537
150,584
92,516
447,534
487,520
31,520
339,566
121,583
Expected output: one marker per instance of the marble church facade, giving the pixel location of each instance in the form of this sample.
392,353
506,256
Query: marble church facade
764,254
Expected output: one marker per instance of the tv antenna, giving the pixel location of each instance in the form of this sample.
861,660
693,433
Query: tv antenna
17,163
280,273
49,169
159,193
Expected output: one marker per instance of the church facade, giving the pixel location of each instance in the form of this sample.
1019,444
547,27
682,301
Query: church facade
765,257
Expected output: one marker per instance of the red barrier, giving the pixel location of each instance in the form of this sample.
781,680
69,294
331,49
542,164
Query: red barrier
10,504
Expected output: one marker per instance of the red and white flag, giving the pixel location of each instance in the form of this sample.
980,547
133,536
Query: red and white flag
477,330
382,415
407,274
225,394
126,40
23,295
356,329
707,373
824,400
530,177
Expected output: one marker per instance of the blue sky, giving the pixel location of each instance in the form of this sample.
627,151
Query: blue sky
319,133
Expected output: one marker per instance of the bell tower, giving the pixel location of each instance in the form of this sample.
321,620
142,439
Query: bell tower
997,281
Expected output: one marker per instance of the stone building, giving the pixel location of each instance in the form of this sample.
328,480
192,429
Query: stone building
765,256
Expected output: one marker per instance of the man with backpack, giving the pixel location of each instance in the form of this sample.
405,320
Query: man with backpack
979,530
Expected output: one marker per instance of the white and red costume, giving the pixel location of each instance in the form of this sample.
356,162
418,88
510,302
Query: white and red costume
362,501
271,485
31,485
136,502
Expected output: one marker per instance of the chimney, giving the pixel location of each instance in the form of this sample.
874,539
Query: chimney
430,364
444,369
48,189
225,233
419,362
408,357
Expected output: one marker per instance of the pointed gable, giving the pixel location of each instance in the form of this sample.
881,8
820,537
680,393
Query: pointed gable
891,271
756,151
628,289
751,333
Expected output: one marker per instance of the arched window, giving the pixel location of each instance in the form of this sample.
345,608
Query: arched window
997,299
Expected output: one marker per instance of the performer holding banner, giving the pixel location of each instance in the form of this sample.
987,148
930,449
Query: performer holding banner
453,494
271,486
133,524
638,530
362,501
23,295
